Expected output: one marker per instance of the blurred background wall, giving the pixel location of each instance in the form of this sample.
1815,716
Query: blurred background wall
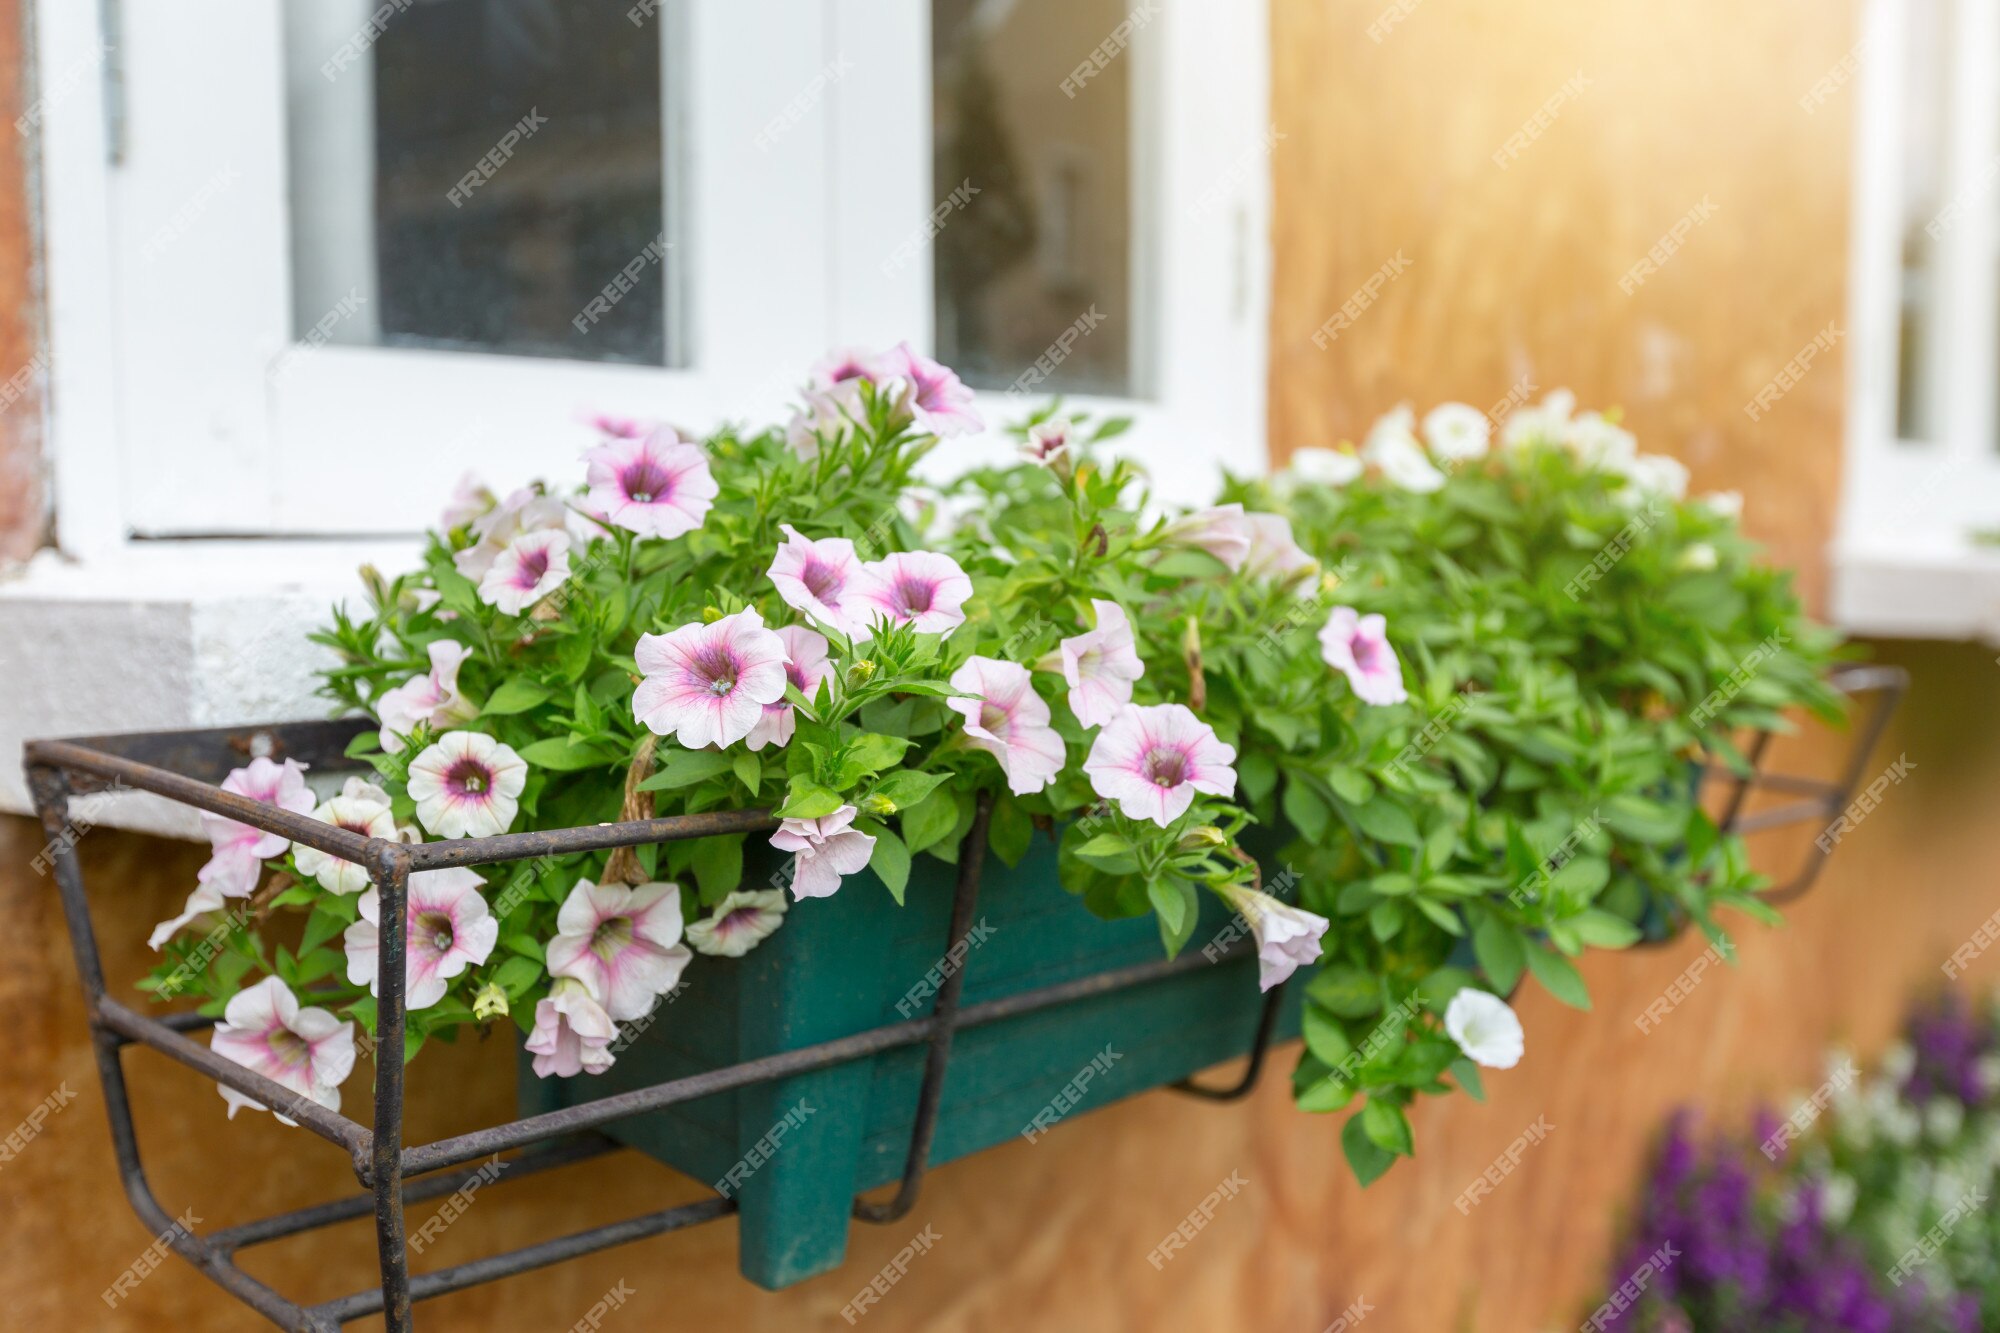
1512,274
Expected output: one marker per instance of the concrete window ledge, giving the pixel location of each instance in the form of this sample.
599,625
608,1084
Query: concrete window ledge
1946,590
161,635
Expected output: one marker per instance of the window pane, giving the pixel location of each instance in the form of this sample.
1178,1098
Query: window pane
1045,246
484,175
1925,145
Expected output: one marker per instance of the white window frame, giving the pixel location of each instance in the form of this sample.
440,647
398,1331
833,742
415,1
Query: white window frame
166,422
1903,560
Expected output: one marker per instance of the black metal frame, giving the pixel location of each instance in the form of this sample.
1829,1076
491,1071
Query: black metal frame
395,1175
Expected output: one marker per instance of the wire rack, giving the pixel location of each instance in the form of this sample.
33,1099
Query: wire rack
185,767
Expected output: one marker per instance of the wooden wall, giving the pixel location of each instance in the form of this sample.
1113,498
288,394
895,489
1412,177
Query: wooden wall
1514,272
1388,148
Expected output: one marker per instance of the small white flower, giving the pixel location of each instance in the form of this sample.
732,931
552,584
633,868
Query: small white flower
1700,556
1485,1028
1727,504
1943,1119
1598,443
1657,474
1546,424
1457,431
1392,446
1837,1194
1324,467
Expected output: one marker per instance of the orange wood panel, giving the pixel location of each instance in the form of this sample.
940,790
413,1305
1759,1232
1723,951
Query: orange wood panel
1514,271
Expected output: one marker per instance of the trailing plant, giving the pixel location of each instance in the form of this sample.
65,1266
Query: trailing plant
1402,723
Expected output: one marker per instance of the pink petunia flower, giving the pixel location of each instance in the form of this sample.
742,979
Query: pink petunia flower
816,578
432,698
938,400
805,666
825,851
919,588
1287,936
239,850
573,1034
620,428
622,943
1100,665
1007,719
739,923
1358,646
1050,443
828,413
659,486
1223,531
1152,759
470,499
362,807
447,929
305,1050
467,785
526,510
842,366
1274,554
708,684
534,565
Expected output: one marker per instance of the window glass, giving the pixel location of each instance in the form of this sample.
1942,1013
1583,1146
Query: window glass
1033,175
484,175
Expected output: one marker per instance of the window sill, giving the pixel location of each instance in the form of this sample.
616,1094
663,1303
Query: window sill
162,635
1949,589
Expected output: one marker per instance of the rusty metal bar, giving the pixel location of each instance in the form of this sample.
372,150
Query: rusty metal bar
280,1225
460,1276
804,1060
330,1125
943,1022
314,833
590,838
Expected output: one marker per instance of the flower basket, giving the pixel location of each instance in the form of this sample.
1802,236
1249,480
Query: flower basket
794,1152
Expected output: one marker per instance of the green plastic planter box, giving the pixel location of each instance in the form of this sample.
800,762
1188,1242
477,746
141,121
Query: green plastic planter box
839,966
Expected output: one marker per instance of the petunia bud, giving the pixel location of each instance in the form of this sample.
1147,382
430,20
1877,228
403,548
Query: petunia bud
490,1002
1201,838
879,805
710,614
862,670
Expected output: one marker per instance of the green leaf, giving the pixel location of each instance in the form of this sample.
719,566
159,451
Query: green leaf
718,866
1643,820
1306,810
906,788
1346,990
1385,919
1325,1037
515,976
1604,930
684,768
1323,1094
1501,956
525,945
891,861
866,754
1367,1161
1467,1074
1384,820
1559,977
929,821
1387,1127
809,800
562,755
1174,899
749,771
321,925
1443,917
